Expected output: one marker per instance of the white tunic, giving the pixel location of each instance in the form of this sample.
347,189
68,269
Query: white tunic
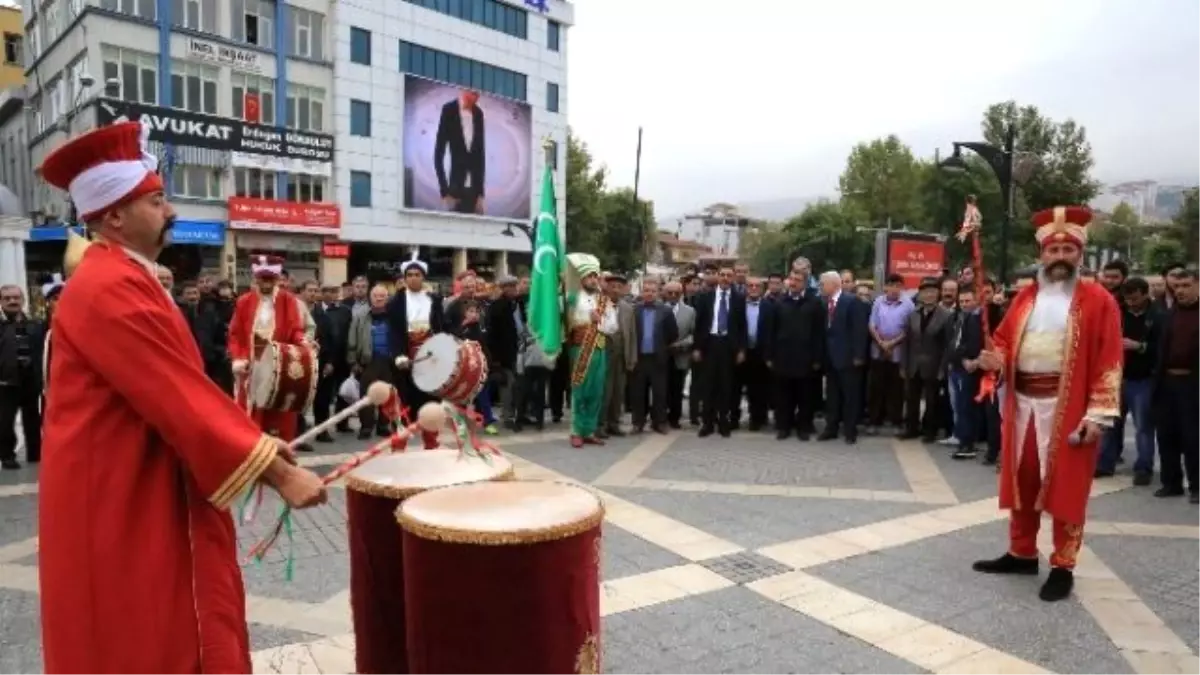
418,308
1042,347
585,304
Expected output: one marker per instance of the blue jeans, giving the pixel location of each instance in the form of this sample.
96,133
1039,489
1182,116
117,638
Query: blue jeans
964,387
483,405
1135,399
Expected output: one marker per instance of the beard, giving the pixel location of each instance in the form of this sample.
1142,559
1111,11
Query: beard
1066,268
167,226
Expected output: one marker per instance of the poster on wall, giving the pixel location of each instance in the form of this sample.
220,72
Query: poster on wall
466,152
912,255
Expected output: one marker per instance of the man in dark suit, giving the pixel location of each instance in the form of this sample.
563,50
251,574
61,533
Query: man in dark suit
1176,382
845,355
720,346
333,331
203,322
655,331
753,379
924,365
413,315
794,349
461,130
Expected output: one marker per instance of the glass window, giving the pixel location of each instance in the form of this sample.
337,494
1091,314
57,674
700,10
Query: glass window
462,71
198,182
13,49
552,155
194,87
305,188
492,14
360,189
305,108
360,46
254,183
256,86
256,22
551,97
130,75
360,118
198,15
308,33
553,35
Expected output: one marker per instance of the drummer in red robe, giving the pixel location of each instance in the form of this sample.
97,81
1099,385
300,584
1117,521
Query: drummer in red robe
143,454
414,315
266,313
1059,350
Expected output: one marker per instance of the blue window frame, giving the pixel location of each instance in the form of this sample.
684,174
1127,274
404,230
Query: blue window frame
553,35
360,189
360,118
552,97
360,46
493,14
464,72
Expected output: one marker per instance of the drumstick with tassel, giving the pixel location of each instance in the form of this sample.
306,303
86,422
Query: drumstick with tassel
377,395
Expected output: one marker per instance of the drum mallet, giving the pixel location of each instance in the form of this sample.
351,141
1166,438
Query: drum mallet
377,394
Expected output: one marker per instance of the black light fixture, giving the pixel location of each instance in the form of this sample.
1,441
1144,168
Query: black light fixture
955,162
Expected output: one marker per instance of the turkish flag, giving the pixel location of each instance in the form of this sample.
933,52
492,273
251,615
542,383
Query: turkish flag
251,106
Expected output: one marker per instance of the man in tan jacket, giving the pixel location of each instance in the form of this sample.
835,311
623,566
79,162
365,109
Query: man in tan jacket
622,356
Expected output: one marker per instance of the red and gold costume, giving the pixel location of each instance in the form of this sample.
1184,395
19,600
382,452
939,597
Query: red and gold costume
1062,359
257,320
142,456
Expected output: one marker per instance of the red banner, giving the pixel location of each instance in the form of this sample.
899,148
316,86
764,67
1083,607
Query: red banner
275,216
252,107
915,259
331,248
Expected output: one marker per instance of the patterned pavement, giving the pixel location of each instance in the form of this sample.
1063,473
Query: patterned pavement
752,555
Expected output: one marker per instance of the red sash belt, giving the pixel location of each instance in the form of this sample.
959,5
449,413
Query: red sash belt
1037,385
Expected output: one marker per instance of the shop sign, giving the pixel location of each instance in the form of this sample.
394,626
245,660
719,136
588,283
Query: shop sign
276,216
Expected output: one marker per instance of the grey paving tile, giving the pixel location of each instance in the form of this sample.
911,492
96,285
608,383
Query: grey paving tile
1139,505
266,637
754,521
623,554
734,631
20,632
745,568
585,464
969,479
1163,574
760,459
932,580
28,473
18,518
320,550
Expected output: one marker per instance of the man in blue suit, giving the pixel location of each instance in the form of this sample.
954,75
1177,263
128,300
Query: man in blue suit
845,353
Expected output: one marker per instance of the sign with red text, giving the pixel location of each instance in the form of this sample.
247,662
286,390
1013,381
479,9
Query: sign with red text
332,248
912,255
276,216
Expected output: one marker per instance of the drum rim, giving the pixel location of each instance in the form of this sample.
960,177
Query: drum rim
417,367
366,487
513,537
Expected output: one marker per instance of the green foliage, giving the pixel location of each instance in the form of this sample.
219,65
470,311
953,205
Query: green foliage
826,232
1160,252
882,181
1185,227
765,249
601,221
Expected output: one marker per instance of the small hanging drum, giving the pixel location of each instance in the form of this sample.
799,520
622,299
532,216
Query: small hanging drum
513,567
451,369
373,491
284,378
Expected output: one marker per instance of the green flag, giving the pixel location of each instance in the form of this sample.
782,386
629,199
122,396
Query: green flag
545,312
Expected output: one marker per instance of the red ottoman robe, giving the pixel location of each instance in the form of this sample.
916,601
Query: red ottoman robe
142,456
287,327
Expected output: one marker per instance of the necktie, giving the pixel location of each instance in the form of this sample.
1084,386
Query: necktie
723,313
832,309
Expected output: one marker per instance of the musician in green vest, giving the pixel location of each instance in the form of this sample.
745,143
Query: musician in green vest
590,318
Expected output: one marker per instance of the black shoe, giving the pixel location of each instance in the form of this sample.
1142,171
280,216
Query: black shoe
556,419
1142,479
908,435
827,436
33,459
364,434
304,448
803,435
705,432
1103,473
929,439
383,432
1168,492
344,429
1194,498
1007,564
782,435
616,433
989,461
851,439
324,437
754,426
1058,585
676,425
10,464
965,452
725,433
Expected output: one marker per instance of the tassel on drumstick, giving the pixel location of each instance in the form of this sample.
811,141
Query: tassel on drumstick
377,394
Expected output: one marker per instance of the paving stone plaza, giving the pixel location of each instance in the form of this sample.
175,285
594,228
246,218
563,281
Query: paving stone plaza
748,555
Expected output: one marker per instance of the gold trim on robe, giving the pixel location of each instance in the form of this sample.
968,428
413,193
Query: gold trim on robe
1104,402
260,456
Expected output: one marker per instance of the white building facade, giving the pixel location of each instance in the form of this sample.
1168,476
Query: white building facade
238,95
400,71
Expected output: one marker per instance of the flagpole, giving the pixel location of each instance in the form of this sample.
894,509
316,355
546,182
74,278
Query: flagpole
637,179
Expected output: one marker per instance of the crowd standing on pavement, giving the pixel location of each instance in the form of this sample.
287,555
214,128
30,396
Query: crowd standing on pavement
873,362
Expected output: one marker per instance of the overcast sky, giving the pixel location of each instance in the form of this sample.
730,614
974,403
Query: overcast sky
758,100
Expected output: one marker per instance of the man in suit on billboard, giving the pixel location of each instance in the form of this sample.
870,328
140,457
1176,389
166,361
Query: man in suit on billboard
461,130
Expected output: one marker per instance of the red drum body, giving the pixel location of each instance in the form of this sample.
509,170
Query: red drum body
284,378
515,566
373,491
451,369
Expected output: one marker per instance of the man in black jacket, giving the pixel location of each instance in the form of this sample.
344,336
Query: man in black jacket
720,346
1176,382
794,349
203,321
503,341
21,343
333,330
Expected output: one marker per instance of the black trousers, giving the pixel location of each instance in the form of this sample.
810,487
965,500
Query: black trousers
717,366
754,382
843,386
326,396
989,418
793,403
675,378
23,399
916,390
221,373
650,374
531,393
885,401
560,384
381,369
1177,431
696,392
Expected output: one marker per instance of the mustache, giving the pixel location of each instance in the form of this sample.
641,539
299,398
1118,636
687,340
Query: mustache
1061,265
167,226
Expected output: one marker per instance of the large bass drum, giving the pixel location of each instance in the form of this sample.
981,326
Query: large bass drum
284,378
450,369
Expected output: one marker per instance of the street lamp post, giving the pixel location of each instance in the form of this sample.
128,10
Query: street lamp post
1001,160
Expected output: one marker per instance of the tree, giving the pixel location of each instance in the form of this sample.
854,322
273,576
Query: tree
826,233
1185,227
585,192
627,233
1161,252
765,248
882,180
944,196
1119,232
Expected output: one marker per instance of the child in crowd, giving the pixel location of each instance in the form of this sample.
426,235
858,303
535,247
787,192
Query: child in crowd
472,330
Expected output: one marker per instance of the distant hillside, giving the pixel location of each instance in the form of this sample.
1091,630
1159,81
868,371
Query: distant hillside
771,209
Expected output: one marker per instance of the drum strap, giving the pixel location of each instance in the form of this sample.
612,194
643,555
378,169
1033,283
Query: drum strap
579,372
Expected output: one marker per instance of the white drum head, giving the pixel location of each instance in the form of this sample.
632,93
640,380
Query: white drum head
435,362
262,376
